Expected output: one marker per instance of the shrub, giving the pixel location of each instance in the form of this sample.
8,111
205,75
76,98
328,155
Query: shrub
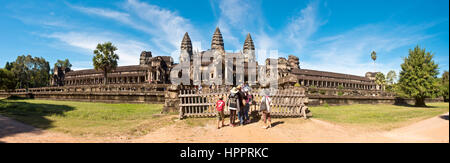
322,92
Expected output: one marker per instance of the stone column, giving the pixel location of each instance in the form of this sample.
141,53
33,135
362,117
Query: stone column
171,100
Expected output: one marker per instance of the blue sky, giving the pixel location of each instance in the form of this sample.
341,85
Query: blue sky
334,35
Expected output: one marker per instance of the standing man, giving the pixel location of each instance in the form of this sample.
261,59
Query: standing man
248,101
233,105
265,109
242,103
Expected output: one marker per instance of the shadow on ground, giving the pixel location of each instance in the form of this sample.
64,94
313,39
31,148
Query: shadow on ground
277,123
444,117
31,114
411,105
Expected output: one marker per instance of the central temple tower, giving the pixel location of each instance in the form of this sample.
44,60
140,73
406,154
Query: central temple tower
217,41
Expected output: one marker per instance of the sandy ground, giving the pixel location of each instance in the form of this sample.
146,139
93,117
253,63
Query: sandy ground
435,129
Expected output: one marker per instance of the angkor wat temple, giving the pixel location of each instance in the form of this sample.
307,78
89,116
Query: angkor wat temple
157,69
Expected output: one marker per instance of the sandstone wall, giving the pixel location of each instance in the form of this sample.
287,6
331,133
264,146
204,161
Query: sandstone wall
348,100
93,97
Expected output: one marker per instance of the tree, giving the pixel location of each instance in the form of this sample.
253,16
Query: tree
31,72
373,55
63,64
8,66
380,80
105,59
418,76
7,79
445,86
340,88
391,77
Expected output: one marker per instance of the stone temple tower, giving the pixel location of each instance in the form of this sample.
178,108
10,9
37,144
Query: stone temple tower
186,47
217,41
145,58
249,49
248,44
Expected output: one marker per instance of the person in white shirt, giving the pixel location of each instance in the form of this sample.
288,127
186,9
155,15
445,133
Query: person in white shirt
265,109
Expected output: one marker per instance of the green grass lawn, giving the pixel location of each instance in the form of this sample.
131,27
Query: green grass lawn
382,116
86,118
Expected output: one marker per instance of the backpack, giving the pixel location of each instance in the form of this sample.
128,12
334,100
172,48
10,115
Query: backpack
263,105
233,100
249,98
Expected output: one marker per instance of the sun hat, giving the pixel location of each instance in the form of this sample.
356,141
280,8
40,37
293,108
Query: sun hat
246,89
234,90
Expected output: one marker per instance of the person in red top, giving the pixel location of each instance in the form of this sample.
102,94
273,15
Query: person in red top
220,104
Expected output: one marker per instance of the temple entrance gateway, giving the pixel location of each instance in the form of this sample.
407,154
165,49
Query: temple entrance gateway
285,103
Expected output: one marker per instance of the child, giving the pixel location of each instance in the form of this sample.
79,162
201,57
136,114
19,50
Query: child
220,115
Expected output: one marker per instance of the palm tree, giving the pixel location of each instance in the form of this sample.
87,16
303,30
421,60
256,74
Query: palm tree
373,55
105,59
391,77
380,80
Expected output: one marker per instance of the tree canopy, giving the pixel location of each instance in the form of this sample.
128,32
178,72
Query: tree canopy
445,86
105,59
31,72
373,55
7,79
8,66
418,78
63,63
380,79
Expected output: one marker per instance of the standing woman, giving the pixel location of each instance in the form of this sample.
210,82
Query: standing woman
265,109
233,105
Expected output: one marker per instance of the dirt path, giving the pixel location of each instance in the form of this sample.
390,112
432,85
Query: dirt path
294,130
435,129
284,130
12,131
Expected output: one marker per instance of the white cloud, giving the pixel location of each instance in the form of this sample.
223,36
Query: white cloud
349,52
168,26
237,18
45,22
120,16
165,28
240,17
128,50
303,26
236,12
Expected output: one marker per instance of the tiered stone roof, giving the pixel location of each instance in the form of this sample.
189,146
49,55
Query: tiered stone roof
186,44
248,44
217,41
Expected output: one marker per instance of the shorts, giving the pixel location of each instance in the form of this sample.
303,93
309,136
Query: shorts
266,113
220,115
